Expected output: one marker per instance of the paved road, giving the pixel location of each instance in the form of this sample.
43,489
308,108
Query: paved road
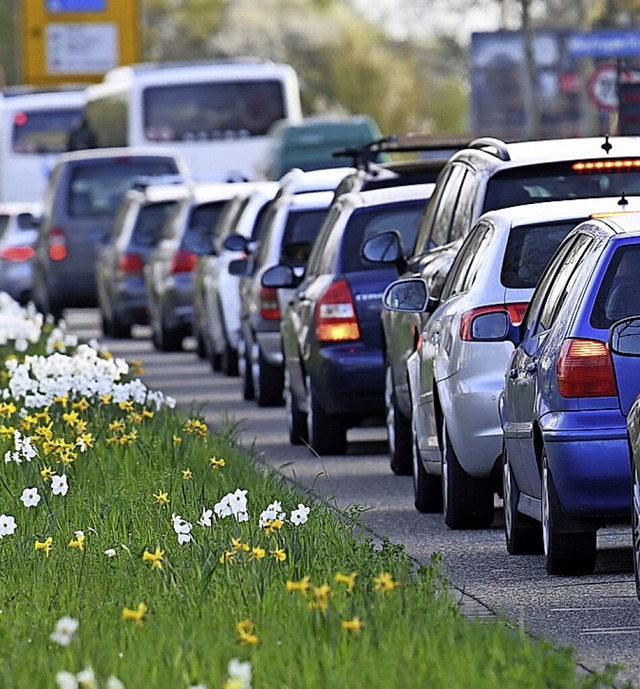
599,615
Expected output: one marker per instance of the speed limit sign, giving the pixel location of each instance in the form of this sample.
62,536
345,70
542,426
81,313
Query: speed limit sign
602,87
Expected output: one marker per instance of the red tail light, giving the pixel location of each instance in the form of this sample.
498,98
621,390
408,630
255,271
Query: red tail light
336,314
16,254
585,369
130,263
516,312
269,307
57,244
183,262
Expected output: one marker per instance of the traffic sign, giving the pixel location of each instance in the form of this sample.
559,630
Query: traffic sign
602,87
76,5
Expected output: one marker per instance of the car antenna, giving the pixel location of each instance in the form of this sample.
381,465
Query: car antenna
363,156
623,201
606,146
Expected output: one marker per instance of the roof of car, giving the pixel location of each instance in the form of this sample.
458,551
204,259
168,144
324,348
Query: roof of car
564,210
378,197
314,199
550,150
297,180
622,223
118,152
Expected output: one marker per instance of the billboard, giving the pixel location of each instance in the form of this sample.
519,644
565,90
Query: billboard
77,41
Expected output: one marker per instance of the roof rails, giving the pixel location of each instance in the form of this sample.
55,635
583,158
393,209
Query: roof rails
489,144
363,156
142,182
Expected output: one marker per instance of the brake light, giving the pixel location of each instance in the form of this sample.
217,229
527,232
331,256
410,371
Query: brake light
16,254
183,262
269,307
585,369
130,263
335,314
607,164
516,313
57,244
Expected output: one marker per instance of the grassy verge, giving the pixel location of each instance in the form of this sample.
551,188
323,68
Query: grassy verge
140,550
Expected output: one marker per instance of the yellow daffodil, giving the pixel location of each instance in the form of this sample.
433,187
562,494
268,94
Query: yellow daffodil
245,629
28,421
78,541
62,399
136,615
227,557
106,399
71,418
279,555
107,355
302,586
348,579
176,439
117,426
237,545
161,497
196,427
385,583
126,405
85,441
156,559
82,404
7,432
320,598
47,473
354,625
46,545
148,413
7,409
216,463
187,474
258,553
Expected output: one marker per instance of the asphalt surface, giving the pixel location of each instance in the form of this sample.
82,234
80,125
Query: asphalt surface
597,615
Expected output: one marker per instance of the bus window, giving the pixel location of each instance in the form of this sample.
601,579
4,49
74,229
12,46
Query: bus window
42,131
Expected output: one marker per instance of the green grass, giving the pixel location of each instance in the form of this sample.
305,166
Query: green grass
411,635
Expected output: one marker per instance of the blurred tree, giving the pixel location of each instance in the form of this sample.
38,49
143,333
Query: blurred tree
9,60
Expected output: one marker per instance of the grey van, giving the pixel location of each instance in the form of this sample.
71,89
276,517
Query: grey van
80,202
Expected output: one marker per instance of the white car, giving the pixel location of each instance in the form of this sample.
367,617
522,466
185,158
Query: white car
18,232
216,317
458,370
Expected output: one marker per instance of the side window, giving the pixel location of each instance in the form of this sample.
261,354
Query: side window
432,210
463,215
317,259
442,221
465,266
556,285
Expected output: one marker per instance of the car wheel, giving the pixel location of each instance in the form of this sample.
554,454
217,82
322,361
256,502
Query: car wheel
119,329
167,339
327,433
244,369
106,324
268,383
427,488
522,533
467,501
635,526
569,553
296,420
230,360
398,431
201,345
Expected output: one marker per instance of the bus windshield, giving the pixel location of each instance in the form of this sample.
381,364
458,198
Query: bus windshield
217,110
43,131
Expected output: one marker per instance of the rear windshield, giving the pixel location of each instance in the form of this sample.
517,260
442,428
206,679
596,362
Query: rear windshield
299,234
217,110
365,222
529,249
98,187
202,221
559,181
42,131
148,226
619,293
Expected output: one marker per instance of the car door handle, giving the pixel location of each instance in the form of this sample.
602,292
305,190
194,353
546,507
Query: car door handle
513,373
532,367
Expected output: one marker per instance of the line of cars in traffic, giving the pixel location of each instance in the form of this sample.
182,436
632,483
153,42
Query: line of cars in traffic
450,298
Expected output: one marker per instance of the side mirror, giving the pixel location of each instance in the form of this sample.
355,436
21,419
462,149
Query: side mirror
281,275
235,242
624,337
408,295
490,327
385,247
239,267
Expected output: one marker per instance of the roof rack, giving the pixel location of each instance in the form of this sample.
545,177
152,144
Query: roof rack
491,145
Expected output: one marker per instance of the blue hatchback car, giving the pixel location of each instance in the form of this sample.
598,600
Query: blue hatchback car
568,389
331,338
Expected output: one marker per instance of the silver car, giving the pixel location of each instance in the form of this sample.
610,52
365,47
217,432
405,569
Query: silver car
458,369
18,232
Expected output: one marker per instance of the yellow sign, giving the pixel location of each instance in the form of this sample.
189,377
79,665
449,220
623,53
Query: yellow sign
77,41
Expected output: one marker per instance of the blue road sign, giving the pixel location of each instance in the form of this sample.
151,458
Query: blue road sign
76,5
604,44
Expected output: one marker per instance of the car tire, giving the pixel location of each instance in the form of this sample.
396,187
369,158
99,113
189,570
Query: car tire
398,431
635,525
167,339
296,420
427,488
467,501
244,369
327,433
268,383
523,534
566,553
230,360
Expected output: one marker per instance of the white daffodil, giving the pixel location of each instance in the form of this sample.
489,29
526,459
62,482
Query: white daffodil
205,518
30,497
7,525
59,485
300,515
65,628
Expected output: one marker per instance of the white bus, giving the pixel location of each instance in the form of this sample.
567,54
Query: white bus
215,114
34,130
